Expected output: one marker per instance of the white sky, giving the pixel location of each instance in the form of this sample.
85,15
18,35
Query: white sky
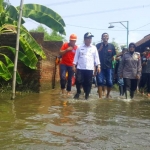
96,15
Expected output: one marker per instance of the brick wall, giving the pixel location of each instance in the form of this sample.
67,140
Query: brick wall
42,78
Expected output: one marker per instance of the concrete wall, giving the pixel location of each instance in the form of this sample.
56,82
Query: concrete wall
42,78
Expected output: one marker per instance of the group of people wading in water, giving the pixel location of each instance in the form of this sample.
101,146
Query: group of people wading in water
127,67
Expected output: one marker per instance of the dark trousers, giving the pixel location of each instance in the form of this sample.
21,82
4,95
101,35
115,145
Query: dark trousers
130,85
145,81
63,70
84,78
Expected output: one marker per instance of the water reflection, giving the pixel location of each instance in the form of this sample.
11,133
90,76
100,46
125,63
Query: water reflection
52,121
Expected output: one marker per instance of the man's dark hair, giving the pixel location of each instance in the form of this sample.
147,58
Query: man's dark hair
104,33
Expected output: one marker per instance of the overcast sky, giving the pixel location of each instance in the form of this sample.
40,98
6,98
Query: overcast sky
93,16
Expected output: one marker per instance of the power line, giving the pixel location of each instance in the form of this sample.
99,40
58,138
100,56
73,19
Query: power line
103,29
64,2
141,26
29,20
111,10
91,28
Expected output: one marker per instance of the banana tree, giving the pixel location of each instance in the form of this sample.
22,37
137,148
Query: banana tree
41,14
38,13
6,69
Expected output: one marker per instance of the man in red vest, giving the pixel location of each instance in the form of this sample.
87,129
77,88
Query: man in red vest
67,52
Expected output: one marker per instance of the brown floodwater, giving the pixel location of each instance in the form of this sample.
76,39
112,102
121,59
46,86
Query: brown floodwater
50,121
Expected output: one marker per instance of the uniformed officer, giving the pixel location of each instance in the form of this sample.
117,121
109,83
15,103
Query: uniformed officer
86,58
130,70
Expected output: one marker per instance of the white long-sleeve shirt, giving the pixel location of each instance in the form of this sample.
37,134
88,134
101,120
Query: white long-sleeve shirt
86,57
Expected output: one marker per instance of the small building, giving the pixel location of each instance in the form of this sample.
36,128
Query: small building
47,73
145,42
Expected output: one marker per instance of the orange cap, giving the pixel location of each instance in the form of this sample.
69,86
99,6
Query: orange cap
73,37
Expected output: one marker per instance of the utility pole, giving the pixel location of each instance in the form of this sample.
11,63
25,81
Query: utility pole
127,28
17,50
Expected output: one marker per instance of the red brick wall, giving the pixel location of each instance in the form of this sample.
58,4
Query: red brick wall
42,78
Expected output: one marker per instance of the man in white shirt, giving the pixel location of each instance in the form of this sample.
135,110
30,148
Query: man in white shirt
86,58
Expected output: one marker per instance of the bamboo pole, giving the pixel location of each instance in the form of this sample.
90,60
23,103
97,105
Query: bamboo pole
17,50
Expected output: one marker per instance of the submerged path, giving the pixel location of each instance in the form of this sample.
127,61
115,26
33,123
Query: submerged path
52,121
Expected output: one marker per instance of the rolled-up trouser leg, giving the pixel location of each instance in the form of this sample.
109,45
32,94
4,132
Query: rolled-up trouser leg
108,75
63,69
100,78
70,74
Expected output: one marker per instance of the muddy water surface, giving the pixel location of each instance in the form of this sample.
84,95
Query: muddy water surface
50,121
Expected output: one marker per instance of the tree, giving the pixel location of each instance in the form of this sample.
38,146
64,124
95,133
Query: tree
53,36
8,23
123,46
116,46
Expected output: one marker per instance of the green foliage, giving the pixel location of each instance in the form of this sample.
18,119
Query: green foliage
8,23
123,46
6,69
21,56
53,36
44,15
1,5
116,46
27,42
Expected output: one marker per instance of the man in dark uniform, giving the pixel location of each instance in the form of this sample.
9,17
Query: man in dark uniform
106,54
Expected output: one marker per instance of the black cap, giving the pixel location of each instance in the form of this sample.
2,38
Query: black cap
88,34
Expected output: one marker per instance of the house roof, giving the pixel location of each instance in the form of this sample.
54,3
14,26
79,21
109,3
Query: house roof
144,40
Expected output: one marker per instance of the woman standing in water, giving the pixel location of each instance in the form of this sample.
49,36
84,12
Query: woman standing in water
130,70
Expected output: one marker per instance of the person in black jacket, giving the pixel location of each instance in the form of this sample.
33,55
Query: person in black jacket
106,54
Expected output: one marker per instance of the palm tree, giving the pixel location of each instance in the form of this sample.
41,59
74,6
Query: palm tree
8,23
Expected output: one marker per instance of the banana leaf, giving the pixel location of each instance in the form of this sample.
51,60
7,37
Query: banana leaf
7,70
4,72
21,56
45,16
27,42
6,19
27,49
1,5
13,13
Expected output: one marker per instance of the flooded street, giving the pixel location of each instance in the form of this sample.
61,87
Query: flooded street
50,121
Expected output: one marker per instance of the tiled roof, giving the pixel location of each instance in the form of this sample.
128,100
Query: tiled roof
144,40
